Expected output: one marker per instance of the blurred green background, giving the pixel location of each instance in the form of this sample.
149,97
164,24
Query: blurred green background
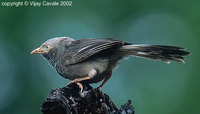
154,87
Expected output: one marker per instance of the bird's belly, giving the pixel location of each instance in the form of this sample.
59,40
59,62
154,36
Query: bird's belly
82,69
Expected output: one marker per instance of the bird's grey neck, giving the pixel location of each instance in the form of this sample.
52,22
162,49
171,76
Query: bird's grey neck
51,58
52,61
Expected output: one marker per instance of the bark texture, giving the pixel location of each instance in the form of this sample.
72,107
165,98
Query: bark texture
69,100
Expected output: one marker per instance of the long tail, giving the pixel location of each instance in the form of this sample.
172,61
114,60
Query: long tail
156,52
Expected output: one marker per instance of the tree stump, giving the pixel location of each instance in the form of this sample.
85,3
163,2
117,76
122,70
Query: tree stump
69,100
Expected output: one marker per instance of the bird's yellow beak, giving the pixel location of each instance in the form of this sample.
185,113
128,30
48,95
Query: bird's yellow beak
35,51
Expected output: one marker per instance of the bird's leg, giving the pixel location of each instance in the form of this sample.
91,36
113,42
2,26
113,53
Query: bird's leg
91,74
79,80
105,80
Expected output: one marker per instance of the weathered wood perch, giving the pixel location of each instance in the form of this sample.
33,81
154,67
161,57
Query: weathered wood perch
69,100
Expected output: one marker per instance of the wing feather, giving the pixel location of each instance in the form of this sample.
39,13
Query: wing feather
84,48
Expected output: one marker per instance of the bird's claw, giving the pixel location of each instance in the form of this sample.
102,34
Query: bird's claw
78,83
80,86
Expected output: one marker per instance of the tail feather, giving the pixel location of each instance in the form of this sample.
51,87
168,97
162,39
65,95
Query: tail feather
157,52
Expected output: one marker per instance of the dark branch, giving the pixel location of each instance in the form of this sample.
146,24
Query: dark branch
69,100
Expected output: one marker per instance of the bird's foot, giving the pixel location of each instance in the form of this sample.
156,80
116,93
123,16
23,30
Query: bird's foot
78,83
80,86
78,80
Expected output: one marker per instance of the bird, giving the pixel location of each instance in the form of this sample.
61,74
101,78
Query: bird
92,60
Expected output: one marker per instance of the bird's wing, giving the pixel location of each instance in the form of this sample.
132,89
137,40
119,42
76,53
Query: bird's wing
80,50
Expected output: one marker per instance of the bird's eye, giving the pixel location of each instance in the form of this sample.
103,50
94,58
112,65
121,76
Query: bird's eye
46,46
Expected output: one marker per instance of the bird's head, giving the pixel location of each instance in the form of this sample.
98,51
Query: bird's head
49,46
